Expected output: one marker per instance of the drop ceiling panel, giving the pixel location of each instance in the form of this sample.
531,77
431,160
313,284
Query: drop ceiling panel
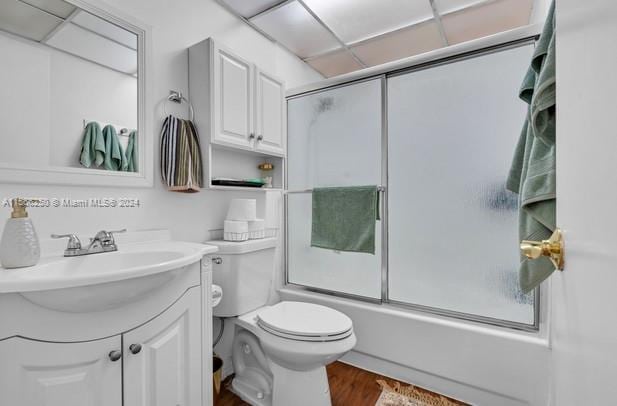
400,44
449,6
335,63
487,19
93,47
26,21
106,29
250,8
295,28
356,20
59,8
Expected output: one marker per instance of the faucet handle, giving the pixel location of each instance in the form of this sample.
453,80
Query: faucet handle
73,244
107,237
111,234
117,231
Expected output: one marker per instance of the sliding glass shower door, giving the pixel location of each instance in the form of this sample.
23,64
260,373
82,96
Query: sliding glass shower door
452,131
334,139
449,130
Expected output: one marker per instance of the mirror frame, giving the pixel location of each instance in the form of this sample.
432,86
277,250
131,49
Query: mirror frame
14,173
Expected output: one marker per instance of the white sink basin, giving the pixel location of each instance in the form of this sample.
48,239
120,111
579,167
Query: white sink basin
102,281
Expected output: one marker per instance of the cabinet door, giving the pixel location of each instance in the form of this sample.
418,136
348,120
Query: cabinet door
233,99
166,371
270,114
35,373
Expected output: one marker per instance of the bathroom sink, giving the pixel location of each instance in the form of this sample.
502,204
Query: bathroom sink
102,281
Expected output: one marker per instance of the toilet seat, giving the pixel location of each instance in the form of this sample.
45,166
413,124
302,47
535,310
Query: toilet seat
304,322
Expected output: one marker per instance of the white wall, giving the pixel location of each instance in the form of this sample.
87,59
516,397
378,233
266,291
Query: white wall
175,26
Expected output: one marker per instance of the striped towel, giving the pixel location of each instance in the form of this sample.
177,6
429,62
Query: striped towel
181,165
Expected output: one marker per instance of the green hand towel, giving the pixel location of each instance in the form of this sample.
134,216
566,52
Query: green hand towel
532,174
131,152
344,218
114,156
93,146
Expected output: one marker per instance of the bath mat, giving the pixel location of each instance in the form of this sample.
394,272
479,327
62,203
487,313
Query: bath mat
398,395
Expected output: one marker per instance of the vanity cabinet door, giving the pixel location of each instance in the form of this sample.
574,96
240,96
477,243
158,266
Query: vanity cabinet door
270,114
35,373
233,99
162,358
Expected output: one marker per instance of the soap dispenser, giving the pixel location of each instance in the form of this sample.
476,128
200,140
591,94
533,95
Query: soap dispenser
19,246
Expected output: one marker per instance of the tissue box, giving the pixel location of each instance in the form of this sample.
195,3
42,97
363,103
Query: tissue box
242,209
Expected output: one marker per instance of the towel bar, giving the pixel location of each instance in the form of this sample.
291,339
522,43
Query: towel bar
379,189
177,97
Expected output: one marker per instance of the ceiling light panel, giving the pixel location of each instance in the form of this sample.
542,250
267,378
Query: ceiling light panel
356,20
449,6
26,21
250,8
93,47
335,63
295,28
400,44
486,19
105,29
58,8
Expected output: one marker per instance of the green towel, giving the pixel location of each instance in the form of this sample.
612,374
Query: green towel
532,174
93,146
114,156
344,218
131,152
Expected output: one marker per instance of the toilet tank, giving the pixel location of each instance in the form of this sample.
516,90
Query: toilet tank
244,273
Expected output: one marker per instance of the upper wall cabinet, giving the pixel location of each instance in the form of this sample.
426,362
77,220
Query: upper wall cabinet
240,105
270,117
233,92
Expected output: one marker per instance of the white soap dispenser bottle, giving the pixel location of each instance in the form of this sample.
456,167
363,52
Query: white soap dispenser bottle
19,246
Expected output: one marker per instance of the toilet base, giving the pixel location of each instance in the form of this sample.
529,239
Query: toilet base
249,393
298,388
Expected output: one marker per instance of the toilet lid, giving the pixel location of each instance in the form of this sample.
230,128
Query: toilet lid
305,321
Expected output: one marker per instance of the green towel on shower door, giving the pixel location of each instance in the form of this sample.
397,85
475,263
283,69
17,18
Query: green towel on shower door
114,156
344,218
93,146
532,174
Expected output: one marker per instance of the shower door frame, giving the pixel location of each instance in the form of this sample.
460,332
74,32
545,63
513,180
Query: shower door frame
514,39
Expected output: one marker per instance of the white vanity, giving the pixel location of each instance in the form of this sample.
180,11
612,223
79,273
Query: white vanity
131,327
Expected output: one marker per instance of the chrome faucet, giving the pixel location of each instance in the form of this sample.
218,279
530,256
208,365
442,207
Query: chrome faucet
103,241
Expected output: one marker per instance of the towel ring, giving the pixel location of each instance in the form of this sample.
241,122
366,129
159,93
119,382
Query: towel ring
177,97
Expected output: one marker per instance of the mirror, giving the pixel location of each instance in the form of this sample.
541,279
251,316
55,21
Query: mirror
71,82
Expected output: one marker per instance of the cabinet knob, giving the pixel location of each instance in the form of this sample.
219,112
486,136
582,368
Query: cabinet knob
135,348
251,136
115,355
260,137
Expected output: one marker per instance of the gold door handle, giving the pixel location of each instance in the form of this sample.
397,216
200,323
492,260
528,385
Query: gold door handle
551,248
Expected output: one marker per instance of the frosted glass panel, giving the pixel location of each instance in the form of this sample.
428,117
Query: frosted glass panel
356,20
486,19
334,139
400,44
453,227
292,25
334,63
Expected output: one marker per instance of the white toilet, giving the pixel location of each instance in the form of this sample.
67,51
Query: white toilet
279,351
